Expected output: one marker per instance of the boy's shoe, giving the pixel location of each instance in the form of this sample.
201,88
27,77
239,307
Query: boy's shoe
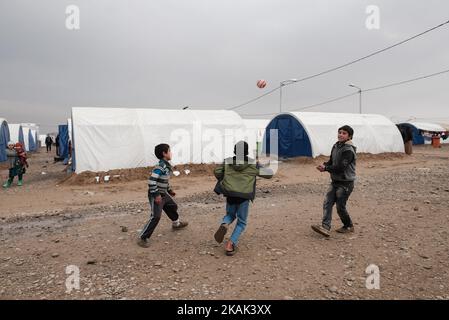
230,248
180,225
221,232
143,243
321,230
345,230
20,183
7,184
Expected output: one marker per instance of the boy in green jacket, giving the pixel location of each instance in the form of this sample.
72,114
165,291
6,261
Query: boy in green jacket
237,182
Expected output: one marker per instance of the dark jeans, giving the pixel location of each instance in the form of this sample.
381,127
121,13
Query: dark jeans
168,205
48,147
13,173
338,193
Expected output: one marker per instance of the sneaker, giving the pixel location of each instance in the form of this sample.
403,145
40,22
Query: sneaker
321,230
20,183
230,248
221,232
345,230
143,243
180,225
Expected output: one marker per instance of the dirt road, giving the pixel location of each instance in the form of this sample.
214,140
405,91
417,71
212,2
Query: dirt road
399,206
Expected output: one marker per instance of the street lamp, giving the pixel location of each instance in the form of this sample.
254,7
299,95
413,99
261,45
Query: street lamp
360,96
284,83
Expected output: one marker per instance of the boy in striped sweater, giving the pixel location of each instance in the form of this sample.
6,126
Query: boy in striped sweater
160,195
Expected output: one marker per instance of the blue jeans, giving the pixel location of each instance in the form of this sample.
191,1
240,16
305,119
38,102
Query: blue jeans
239,212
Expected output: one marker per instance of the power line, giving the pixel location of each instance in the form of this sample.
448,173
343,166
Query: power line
406,81
255,99
354,93
326,102
344,65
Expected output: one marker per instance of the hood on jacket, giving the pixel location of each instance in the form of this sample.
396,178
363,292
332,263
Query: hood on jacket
348,145
240,165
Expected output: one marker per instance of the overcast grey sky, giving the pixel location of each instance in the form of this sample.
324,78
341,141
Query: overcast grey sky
209,54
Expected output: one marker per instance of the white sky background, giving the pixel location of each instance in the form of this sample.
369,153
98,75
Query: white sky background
210,54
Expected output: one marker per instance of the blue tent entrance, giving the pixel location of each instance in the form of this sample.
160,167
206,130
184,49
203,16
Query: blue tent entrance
417,136
293,140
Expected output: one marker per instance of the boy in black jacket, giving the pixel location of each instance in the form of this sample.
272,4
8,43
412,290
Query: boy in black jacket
341,166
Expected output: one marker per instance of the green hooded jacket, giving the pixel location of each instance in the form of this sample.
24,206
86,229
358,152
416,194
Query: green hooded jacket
239,179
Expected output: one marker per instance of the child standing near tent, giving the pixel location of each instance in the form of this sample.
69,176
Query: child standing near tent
160,195
17,162
341,167
237,182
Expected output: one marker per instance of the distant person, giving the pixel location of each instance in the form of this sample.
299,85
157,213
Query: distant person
17,163
57,145
160,196
48,143
237,182
407,137
341,166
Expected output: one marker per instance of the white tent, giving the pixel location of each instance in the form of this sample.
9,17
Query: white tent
35,138
257,126
33,132
255,132
114,138
314,133
431,128
42,138
16,133
425,126
33,126
26,137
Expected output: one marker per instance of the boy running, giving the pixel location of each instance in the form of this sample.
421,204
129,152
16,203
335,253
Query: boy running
160,195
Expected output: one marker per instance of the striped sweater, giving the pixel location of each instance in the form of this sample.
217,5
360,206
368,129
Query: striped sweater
159,179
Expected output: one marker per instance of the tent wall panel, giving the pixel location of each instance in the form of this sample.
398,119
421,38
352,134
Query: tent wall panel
16,133
114,138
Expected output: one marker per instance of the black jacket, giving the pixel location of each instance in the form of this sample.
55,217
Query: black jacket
342,162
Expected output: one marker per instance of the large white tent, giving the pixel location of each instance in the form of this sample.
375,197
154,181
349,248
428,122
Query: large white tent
314,133
117,138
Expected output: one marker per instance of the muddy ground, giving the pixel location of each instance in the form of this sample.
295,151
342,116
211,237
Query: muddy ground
399,206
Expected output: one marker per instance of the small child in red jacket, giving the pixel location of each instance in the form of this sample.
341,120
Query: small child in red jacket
21,153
